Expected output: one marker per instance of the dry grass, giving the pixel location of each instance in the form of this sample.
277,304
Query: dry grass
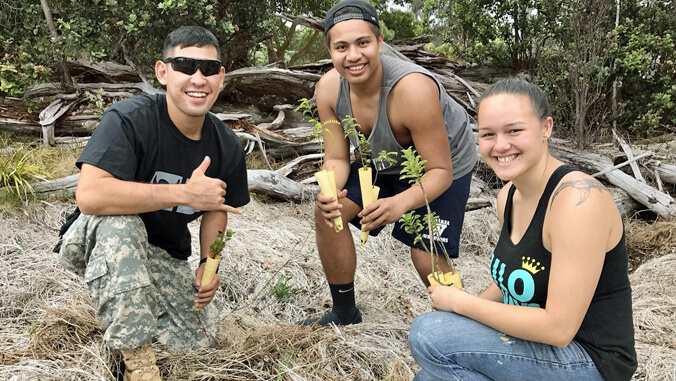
646,241
48,329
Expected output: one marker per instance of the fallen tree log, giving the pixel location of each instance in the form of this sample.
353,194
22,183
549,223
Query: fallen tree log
270,86
15,125
64,186
667,173
660,203
273,184
103,69
260,181
52,89
49,116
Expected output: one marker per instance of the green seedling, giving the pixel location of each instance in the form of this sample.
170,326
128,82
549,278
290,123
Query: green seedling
309,109
325,178
413,170
284,289
214,258
351,128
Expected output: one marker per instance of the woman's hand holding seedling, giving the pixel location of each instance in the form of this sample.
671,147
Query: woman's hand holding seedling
446,298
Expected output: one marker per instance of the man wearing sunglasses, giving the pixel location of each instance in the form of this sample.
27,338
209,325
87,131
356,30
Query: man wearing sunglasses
398,105
154,164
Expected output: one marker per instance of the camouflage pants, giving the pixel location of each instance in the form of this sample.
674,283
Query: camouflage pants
141,292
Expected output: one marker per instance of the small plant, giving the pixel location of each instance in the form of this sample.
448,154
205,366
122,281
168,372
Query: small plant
351,128
309,109
369,191
98,101
325,178
214,258
382,158
284,289
15,172
413,169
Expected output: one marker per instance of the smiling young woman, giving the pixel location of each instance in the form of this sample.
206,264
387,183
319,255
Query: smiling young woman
559,306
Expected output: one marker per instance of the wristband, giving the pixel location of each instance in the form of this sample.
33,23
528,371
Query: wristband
204,260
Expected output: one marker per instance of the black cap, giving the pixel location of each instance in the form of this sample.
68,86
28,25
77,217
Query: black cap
368,13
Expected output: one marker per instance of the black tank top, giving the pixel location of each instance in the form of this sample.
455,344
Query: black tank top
521,271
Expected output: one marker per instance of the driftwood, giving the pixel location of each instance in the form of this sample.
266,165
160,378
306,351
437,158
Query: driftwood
63,186
260,181
52,89
269,86
474,203
78,125
660,203
291,166
103,70
630,155
667,173
273,184
14,125
49,116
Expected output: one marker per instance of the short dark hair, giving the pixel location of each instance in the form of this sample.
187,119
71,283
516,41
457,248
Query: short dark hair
349,10
186,36
518,86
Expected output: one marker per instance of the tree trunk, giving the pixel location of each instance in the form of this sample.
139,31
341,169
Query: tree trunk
67,80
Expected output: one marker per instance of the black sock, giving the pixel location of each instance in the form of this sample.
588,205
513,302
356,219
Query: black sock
344,305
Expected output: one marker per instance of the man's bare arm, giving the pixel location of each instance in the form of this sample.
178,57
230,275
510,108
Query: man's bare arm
428,133
100,193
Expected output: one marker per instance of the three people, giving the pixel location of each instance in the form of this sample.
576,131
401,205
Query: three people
155,163
559,306
397,104
560,303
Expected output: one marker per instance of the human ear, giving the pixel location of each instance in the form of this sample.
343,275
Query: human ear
547,127
161,72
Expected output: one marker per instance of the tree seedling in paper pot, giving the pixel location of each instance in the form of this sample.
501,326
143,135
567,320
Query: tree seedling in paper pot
325,178
214,258
414,170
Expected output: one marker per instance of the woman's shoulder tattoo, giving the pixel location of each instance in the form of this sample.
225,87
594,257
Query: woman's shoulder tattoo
584,186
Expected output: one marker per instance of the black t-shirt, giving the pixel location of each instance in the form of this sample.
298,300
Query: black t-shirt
137,141
522,272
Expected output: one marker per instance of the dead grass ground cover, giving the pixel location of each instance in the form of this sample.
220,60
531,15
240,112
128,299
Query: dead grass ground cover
48,329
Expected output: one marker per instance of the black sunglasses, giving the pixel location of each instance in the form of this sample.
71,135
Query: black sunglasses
190,65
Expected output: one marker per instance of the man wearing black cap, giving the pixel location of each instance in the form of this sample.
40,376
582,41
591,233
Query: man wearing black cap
397,104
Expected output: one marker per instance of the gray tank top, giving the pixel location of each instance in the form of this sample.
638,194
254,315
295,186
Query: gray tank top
458,129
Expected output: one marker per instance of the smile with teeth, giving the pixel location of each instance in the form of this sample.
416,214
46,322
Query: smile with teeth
196,94
506,159
355,68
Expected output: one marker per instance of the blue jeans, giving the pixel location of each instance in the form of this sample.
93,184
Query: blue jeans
448,346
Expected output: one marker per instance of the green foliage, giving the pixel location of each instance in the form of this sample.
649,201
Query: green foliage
645,63
217,246
283,288
351,128
402,24
309,109
413,170
17,171
17,69
116,30
98,101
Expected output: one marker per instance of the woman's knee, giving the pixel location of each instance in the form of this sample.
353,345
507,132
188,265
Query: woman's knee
444,333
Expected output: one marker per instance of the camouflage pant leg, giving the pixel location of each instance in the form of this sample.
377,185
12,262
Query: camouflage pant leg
121,270
179,327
